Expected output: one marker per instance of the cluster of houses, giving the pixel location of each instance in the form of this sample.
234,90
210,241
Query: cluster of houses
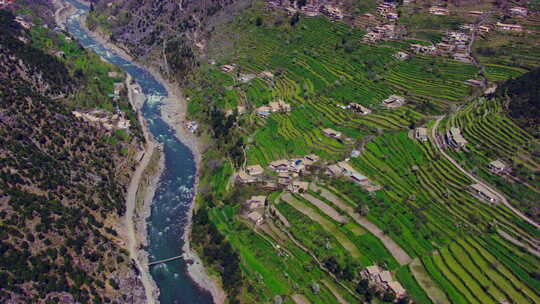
255,207
344,169
273,107
393,101
454,138
385,31
382,281
105,119
310,8
455,44
380,32
287,170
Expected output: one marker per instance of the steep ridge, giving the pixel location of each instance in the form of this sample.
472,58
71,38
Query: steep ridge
61,186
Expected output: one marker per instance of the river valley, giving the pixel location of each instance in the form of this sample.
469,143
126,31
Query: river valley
173,197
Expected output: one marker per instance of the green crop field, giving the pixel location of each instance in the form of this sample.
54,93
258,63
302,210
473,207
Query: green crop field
424,224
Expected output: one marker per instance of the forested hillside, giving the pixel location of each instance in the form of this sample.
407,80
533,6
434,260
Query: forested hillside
523,100
61,186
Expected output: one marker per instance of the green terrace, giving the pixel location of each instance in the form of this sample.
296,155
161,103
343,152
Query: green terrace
493,136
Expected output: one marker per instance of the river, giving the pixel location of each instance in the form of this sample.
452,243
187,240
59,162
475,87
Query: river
173,197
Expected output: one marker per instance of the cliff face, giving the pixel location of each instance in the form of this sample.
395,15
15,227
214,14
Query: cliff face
60,190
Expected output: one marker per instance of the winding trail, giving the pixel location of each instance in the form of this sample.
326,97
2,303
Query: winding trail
129,221
501,197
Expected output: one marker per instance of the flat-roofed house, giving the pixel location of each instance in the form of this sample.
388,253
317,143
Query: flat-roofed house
439,11
519,11
263,111
498,166
284,178
298,187
370,272
398,290
244,178
455,138
385,276
255,170
421,134
485,193
310,159
334,170
358,108
227,68
256,217
393,101
281,165
331,133
256,202
401,56
509,27
476,13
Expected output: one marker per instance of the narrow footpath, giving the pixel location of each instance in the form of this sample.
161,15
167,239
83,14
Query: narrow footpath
131,199
502,198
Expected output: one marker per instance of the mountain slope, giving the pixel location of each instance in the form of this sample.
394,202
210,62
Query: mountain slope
61,187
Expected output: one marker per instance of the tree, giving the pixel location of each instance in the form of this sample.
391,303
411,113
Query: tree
295,18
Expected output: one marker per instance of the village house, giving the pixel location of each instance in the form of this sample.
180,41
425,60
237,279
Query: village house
421,134
331,133
256,217
255,170
484,29
382,280
519,11
256,202
112,74
474,82
266,74
455,138
358,108
244,78
281,165
270,186
401,56
279,106
105,119
298,187
498,167
227,68
462,57
439,11
263,111
244,178
284,178
509,27
334,170
484,193
424,49
310,159
332,12
476,13
192,126
393,101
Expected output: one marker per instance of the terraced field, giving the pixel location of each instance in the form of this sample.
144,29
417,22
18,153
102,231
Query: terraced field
440,241
493,136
